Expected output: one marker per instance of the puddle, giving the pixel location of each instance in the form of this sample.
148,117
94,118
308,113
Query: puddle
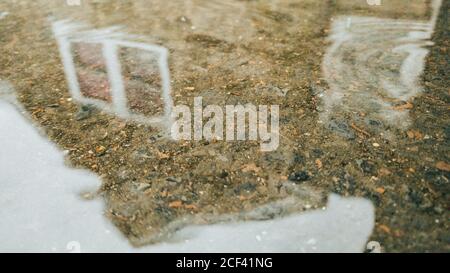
373,67
50,213
229,53
224,52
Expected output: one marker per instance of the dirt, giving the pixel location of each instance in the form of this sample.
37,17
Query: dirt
153,186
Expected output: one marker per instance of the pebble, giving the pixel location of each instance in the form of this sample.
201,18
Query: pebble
84,112
299,176
100,150
175,204
443,166
223,174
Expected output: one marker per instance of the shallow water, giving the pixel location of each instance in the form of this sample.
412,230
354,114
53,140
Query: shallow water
51,215
223,52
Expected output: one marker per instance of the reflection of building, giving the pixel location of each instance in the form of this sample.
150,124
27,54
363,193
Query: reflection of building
129,79
373,66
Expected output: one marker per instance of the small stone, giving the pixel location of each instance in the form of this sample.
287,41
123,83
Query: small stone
223,174
319,164
250,168
376,145
190,207
175,204
84,112
299,159
367,166
410,134
317,152
438,209
441,165
162,155
403,106
384,172
385,228
100,150
414,134
173,179
299,176
143,186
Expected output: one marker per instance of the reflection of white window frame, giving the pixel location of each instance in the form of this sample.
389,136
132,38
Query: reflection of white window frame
3,14
67,34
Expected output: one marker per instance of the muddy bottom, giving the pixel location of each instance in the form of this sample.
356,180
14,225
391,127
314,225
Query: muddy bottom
103,94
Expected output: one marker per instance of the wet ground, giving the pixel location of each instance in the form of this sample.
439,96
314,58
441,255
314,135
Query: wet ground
61,221
386,140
